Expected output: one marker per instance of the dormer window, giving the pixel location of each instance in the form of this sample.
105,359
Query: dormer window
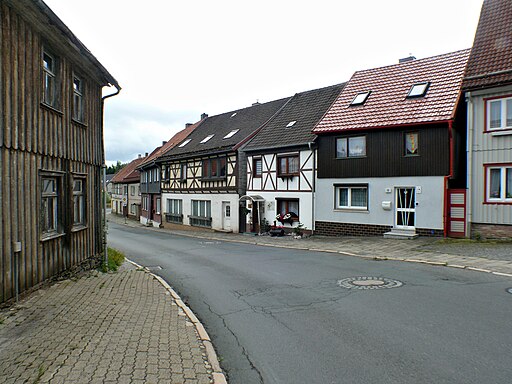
184,143
418,90
206,139
290,124
231,134
360,98
234,114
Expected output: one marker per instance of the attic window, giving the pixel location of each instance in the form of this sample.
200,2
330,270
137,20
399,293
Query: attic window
291,124
234,114
418,90
231,134
206,139
360,98
184,143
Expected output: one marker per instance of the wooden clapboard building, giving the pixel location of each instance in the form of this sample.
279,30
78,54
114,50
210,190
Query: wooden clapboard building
281,162
391,150
51,148
205,173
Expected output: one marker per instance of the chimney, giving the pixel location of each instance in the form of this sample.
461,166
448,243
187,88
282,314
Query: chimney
140,155
146,155
188,125
256,103
406,59
164,142
204,116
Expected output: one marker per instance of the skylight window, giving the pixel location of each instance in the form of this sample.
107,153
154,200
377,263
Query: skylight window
234,114
231,134
184,143
291,124
360,98
418,90
206,139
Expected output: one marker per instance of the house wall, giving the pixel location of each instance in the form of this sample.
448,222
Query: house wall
35,138
271,187
495,219
216,200
376,220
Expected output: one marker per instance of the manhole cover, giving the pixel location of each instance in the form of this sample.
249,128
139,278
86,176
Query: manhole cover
368,282
509,290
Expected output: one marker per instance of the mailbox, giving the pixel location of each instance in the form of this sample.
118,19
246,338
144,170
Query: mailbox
386,205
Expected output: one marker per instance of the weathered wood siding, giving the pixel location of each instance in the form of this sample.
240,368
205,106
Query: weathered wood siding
35,137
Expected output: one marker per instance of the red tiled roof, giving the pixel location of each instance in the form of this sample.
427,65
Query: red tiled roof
387,104
490,63
129,172
173,141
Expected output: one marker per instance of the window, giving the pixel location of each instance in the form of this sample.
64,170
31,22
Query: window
49,205
290,124
360,98
183,171
288,165
145,203
138,190
350,147
158,206
78,101
125,190
79,201
174,211
201,213
184,143
214,168
411,143
499,113
231,134
206,139
287,210
499,184
351,197
133,209
256,166
132,190
49,79
418,90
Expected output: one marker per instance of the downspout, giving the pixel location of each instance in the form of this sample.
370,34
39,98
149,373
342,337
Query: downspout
104,167
469,149
447,178
313,192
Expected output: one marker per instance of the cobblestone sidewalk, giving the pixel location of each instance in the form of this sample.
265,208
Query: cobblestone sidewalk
124,327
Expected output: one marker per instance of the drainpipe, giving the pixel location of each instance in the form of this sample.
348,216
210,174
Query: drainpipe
469,149
104,166
447,178
313,192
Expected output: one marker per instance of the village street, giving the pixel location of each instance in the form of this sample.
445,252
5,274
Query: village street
278,315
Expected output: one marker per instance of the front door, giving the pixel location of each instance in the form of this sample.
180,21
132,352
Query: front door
405,211
226,215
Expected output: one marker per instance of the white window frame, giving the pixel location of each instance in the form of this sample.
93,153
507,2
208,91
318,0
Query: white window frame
504,193
504,102
79,200
158,207
78,99
349,188
49,79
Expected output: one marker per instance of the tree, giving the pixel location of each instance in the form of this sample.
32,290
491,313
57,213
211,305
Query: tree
111,169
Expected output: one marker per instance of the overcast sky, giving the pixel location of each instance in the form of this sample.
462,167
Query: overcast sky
178,59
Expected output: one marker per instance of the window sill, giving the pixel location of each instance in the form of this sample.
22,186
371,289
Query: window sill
51,108
50,236
222,178
80,123
349,157
498,202
78,228
357,210
504,132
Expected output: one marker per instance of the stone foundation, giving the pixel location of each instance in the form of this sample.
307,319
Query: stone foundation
327,228
491,231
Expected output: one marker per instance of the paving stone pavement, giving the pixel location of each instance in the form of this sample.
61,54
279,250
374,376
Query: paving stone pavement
123,327
489,257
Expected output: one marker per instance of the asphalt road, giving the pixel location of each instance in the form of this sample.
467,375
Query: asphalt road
280,316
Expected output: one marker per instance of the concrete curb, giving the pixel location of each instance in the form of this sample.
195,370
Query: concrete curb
217,374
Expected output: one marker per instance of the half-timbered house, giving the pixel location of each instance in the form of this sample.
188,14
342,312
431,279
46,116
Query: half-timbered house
205,173
391,148
151,174
488,90
281,163
51,148
126,192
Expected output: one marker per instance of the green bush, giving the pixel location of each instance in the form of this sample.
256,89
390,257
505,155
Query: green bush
115,259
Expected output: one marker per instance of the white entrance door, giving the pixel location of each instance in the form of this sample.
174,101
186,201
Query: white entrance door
405,211
226,215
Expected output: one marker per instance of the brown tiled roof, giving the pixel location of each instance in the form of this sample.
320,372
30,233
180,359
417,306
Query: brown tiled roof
173,141
129,172
490,63
387,104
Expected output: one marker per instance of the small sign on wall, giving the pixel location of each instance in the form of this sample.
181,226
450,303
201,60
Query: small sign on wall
418,190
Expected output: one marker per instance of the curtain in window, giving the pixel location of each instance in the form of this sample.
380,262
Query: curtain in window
341,147
508,186
495,184
359,198
509,113
357,146
343,197
293,164
495,114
